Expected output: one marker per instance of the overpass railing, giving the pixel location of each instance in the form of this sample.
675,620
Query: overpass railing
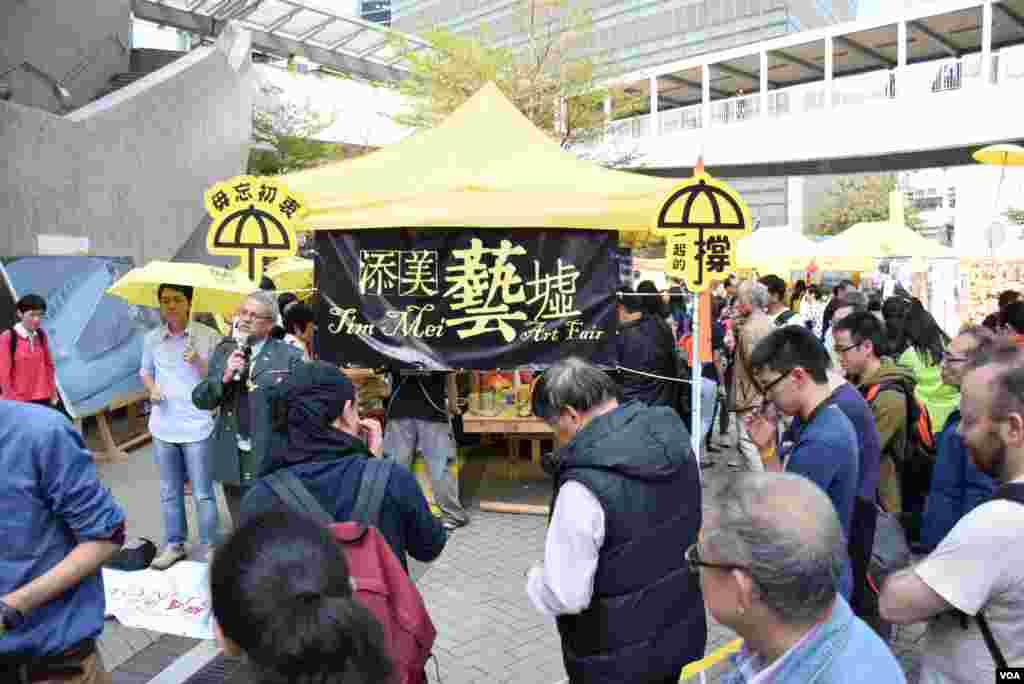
923,79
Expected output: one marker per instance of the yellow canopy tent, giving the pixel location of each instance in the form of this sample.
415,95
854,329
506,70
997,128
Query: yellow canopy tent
485,166
775,250
890,238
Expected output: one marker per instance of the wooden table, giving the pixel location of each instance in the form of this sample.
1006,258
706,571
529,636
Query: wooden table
516,430
111,450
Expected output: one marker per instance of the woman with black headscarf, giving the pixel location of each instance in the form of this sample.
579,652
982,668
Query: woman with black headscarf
326,446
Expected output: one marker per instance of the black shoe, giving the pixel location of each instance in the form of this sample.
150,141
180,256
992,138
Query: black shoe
452,524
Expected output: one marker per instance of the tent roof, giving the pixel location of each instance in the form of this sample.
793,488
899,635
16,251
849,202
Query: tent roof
882,239
485,166
783,250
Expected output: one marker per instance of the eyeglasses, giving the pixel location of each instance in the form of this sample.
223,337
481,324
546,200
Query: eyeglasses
843,350
693,560
952,358
245,313
767,389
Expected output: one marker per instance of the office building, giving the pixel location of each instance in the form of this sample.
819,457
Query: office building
378,11
627,35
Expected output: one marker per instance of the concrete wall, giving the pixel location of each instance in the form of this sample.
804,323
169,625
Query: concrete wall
129,170
81,44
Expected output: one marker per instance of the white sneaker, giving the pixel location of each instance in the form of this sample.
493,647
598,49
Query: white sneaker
171,554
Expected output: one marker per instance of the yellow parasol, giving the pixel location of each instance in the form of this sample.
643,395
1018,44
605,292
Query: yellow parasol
215,290
292,274
1000,155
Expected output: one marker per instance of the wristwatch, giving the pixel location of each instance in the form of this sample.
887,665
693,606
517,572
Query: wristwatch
10,618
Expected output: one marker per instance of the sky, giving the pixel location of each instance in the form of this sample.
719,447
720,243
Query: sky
870,8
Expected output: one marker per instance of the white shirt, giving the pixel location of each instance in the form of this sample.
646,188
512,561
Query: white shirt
564,585
978,566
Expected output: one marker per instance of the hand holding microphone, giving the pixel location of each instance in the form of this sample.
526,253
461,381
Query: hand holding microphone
237,362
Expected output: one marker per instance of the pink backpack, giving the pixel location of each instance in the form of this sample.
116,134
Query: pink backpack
381,583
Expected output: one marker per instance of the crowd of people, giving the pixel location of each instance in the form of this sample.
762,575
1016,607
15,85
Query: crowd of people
847,412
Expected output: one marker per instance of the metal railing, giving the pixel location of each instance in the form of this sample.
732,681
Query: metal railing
924,78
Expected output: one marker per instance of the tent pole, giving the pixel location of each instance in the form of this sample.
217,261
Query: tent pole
696,384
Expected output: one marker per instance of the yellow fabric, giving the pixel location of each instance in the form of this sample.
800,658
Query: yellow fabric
216,290
485,166
292,274
867,241
1001,155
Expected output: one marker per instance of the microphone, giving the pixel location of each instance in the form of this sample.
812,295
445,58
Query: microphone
247,354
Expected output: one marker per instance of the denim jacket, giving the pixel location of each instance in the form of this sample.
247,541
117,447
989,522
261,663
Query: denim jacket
957,486
843,650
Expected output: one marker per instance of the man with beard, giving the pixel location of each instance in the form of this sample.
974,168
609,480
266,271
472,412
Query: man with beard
978,569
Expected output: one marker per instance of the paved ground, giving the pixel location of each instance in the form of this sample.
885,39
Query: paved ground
488,631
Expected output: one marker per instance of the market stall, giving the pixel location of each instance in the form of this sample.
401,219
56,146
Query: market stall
478,245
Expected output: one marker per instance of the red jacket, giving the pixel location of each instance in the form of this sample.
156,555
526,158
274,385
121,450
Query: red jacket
32,378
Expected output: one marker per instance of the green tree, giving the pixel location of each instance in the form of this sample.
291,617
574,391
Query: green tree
1015,216
546,78
859,200
287,133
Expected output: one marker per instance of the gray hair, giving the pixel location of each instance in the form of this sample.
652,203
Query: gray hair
577,384
784,530
753,293
856,300
268,299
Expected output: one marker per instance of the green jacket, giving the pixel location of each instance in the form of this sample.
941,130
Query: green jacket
940,399
274,362
890,407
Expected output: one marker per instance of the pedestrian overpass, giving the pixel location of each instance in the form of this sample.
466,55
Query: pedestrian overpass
915,88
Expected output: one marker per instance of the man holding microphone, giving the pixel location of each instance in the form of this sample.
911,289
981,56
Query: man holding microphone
236,383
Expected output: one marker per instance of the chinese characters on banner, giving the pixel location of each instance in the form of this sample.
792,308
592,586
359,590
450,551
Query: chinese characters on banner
702,219
253,218
466,299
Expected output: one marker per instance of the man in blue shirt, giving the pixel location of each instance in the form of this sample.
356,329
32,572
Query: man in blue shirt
174,360
791,367
58,526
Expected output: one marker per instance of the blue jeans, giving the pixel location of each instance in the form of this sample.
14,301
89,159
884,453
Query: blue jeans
175,461
708,396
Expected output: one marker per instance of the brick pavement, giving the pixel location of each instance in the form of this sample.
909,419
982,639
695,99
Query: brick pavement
487,629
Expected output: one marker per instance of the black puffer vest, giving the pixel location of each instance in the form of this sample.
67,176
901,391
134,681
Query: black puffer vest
646,619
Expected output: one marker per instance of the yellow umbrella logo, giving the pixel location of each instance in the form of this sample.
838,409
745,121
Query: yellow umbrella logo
253,218
703,218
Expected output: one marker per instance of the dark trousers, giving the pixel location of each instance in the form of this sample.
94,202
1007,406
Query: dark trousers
233,495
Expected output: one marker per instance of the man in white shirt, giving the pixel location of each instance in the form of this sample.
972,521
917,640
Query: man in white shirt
627,608
978,568
174,360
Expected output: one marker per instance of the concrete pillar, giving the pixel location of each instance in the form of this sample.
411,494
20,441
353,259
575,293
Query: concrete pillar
763,74
829,67
705,96
901,55
795,203
655,119
986,43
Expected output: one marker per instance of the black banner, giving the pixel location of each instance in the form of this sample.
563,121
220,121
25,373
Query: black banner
471,298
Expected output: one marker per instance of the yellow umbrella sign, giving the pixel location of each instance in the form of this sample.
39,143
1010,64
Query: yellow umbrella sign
253,218
702,218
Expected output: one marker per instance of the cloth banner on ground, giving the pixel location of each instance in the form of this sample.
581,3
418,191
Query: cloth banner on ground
473,299
173,601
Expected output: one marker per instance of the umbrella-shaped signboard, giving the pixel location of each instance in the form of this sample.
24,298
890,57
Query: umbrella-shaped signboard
702,219
253,218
